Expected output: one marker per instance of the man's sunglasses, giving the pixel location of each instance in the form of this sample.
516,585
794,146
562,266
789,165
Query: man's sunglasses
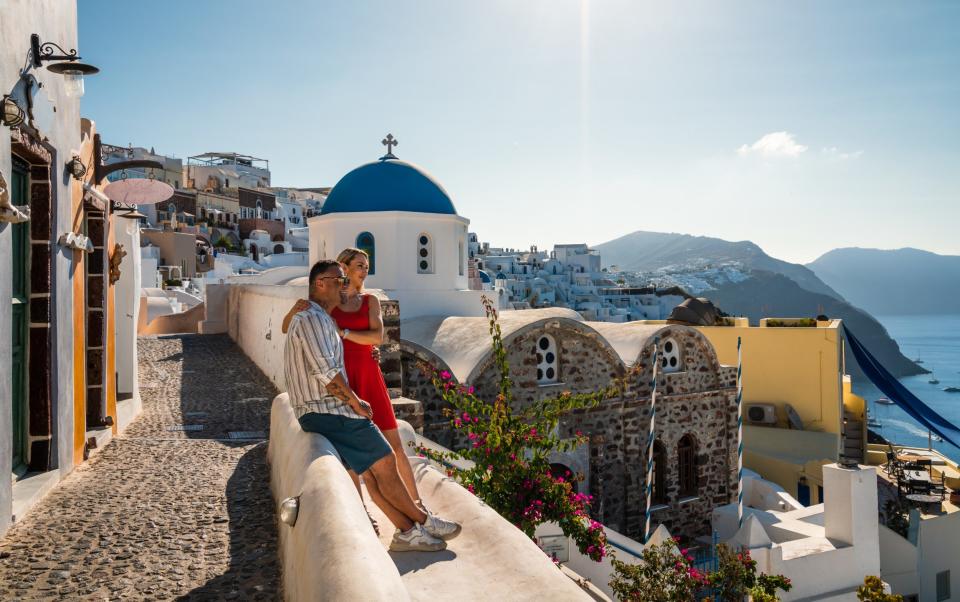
344,281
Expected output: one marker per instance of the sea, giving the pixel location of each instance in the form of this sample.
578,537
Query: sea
934,341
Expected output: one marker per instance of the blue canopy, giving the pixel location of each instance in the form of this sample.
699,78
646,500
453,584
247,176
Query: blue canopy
899,394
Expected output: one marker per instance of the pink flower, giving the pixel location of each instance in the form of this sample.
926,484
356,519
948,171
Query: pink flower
470,488
445,375
457,423
475,420
470,389
466,416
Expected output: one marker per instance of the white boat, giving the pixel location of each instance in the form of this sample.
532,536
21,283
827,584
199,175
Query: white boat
885,402
874,423
933,379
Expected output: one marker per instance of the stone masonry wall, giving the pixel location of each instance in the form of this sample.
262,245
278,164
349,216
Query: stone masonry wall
699,400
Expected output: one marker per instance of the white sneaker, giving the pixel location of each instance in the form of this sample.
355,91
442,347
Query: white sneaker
441,527
416,540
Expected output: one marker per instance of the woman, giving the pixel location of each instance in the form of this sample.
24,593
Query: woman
360,324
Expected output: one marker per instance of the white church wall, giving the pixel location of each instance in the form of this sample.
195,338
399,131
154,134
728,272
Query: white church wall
396,248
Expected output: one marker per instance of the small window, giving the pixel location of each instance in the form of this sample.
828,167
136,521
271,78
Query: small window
943,586
687,466
424,254
365,242
659,472
670,356
548,365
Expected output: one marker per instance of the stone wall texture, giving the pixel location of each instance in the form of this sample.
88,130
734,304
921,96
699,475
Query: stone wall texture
698,399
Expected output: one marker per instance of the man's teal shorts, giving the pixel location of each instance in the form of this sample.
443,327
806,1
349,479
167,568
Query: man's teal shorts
358,441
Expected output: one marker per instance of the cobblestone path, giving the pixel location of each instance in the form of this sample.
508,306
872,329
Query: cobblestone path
161,514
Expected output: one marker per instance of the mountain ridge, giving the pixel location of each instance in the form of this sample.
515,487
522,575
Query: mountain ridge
893,281
743,280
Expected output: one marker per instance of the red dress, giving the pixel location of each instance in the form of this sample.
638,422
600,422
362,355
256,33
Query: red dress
363,372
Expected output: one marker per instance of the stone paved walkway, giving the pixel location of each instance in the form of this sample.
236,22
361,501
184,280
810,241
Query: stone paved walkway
161,514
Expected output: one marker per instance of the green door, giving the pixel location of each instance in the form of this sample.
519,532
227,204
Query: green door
20,242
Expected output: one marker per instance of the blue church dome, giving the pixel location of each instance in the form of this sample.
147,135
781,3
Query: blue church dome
388,185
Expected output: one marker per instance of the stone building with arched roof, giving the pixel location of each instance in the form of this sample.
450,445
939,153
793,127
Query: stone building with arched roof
555,350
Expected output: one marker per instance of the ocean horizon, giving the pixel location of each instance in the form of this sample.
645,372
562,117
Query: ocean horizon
934,340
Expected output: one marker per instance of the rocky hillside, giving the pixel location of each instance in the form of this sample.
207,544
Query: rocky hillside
743,280
894,282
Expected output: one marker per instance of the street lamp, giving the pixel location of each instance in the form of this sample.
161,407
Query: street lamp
69,67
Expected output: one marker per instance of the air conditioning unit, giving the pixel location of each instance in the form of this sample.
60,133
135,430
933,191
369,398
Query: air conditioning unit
761,413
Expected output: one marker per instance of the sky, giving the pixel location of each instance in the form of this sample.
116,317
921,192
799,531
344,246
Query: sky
800,126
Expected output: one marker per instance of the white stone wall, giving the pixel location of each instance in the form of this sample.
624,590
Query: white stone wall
395,234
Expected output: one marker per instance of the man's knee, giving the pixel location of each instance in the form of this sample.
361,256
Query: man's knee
385,464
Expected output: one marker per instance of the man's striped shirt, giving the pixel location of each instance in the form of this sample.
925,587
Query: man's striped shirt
312,357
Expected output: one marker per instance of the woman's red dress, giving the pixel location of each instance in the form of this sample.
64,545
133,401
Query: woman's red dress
363,372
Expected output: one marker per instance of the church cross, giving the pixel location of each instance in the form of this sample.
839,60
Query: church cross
390,142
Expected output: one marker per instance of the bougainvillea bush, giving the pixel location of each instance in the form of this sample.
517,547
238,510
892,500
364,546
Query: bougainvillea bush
509,449
665,573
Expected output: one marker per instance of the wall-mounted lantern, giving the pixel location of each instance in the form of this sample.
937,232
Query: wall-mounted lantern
12,114
72,240
76,168
68,65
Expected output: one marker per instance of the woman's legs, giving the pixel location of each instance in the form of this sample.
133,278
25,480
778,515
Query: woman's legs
403,464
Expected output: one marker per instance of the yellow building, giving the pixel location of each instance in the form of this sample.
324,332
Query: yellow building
797,363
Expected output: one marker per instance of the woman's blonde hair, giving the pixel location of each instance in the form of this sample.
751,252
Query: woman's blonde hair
349,254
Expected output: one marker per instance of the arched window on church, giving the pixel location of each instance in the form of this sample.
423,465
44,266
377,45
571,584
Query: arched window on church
366,243
670,356
548,364
424,253
687,466
562,471
659,472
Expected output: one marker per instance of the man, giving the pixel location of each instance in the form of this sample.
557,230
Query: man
325,404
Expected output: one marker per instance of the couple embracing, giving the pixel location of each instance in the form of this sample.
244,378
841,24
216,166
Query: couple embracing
337,390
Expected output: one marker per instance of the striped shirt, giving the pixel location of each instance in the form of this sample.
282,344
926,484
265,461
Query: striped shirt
312,357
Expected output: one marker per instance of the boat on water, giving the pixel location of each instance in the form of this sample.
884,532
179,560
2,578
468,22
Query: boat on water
933,379
874,423
951,389
885,402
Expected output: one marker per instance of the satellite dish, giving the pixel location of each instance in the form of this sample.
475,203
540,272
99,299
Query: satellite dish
138,191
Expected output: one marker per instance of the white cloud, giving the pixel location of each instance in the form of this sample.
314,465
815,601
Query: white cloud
774,144
834,153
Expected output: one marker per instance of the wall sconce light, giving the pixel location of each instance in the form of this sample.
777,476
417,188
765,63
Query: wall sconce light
68,67
76,168
289,510
71,240
12,115
125,211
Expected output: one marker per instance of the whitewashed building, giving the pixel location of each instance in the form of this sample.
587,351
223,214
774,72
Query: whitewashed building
405,220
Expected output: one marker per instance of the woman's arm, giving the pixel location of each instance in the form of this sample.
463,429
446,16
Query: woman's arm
298,307
374,336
